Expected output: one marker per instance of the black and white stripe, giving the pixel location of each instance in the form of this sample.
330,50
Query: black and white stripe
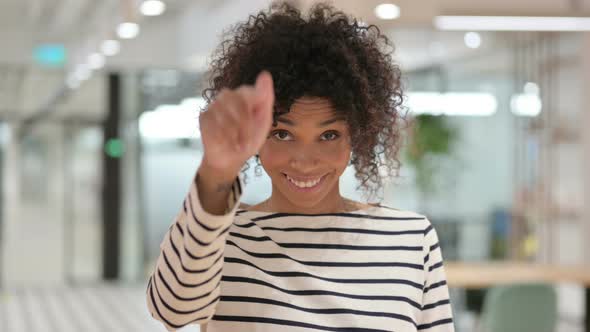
378,269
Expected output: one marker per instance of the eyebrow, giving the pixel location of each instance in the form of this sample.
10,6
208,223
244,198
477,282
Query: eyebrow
321,124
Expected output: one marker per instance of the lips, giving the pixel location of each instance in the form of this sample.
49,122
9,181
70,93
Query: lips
304,178
307,183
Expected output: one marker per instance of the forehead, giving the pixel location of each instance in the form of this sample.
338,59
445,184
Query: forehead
311,109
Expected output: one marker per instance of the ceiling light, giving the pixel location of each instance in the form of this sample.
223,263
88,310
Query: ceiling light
526,104
152,7
472,39
96,61
110,47
512,23
128,30
531,88
82,72
387,11
72,81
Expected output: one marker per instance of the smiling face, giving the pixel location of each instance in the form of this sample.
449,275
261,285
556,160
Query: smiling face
305,154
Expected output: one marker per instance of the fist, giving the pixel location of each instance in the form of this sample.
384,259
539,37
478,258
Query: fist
235,125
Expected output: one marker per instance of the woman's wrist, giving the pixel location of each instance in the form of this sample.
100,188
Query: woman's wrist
219,175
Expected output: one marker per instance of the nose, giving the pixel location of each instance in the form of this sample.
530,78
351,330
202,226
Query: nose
304,158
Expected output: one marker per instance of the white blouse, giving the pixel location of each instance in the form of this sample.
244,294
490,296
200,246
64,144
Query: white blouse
375,269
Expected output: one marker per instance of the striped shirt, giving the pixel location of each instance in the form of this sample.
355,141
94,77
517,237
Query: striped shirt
375,269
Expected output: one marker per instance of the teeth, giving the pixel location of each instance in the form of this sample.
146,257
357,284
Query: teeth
306,184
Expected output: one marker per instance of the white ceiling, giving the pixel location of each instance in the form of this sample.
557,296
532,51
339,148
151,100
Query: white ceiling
188,31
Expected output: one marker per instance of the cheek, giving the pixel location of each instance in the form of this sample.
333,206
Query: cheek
273,156
338,152
334,153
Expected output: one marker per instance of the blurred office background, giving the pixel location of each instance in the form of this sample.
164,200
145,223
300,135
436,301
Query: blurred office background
99,142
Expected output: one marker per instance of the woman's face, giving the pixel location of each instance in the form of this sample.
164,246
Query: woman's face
306,153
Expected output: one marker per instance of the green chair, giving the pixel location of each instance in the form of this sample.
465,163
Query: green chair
520,308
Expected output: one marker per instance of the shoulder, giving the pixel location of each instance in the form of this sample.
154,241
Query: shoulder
415,219
408,222
394,212
417,222
243,206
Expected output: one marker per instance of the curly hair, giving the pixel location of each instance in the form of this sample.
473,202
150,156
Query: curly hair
324,54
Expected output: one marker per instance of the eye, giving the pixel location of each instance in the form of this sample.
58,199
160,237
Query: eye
281,135
330,135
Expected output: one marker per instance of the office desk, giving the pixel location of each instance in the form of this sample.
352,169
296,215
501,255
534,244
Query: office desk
488,274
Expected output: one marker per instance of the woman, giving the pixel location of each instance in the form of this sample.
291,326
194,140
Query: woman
306,95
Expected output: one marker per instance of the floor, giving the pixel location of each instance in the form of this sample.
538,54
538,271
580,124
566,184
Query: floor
115,307
67,309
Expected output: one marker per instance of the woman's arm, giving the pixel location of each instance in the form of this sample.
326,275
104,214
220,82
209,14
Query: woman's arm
436,313
184,287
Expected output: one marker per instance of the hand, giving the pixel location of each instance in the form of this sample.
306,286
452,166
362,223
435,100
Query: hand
236,124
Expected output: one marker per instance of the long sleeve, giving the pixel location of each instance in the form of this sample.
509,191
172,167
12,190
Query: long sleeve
184,287
436,307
